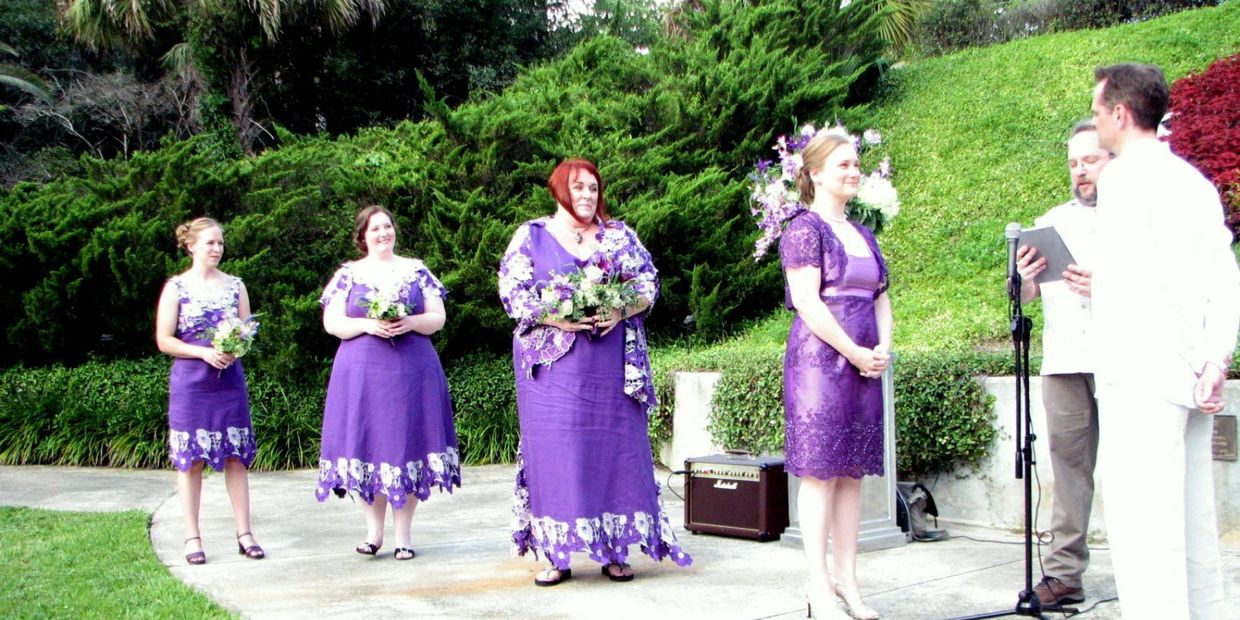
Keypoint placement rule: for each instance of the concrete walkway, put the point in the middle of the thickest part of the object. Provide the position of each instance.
(464, 568)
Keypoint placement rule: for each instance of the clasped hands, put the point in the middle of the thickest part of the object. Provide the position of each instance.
(216, 358)
(603, 325)
(871, 362)
(389, 328)
(1079, 279)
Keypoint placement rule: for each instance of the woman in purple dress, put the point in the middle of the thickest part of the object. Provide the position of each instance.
(387, 423)
(837, 350)
(208, 405)
(586, 473)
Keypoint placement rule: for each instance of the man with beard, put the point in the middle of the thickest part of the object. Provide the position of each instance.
(1067, 370)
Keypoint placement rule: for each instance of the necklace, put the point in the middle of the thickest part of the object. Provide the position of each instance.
(837, 220)
(577, 235)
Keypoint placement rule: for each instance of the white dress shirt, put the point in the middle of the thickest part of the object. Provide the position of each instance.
(1066, 345)
(1166, 289)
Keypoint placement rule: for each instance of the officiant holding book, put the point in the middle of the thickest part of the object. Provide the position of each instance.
(1067, 368)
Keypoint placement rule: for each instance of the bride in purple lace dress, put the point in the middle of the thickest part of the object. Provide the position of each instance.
(586, 473)
(208, 405)
(387, 424)
(838, 347)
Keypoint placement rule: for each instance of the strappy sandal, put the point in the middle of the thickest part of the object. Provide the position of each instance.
(197, 557)
(565, 575)
(368, 548)
(404, 553)
(254, 552)
(614, 577)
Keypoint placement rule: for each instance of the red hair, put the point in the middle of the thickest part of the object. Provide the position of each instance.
(563, 175)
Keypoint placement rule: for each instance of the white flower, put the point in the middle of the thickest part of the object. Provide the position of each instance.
(880, 194)
(870, 137)
(593, 274)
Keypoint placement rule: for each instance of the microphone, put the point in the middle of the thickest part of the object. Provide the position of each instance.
(1012, 234)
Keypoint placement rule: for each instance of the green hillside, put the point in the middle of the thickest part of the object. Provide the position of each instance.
(977, 140)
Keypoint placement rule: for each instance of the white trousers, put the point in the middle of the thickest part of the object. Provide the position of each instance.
(1158, 488)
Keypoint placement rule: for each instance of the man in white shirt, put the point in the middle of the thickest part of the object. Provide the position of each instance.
(1067, 370)
(1166, 307)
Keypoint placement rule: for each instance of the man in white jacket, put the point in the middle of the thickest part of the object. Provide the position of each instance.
(1166, 307)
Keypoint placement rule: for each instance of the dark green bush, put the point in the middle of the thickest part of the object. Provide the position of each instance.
(484, 398)
(944, 418)
(85, 256)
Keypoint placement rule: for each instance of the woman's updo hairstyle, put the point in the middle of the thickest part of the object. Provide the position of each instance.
(362, 222)
(813, 157)
(187, 233)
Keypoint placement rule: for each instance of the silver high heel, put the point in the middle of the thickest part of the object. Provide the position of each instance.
(857, 609)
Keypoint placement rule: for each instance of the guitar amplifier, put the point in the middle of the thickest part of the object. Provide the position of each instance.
(742, 496)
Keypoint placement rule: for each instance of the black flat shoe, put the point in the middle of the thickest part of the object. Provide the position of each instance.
(254, 552)
(368, 548)
(614, 577)
(404, 553)
(197, 557)
(565, 575)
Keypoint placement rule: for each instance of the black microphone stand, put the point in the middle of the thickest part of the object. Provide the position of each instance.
(1027, 603)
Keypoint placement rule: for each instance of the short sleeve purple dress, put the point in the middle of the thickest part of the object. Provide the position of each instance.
(833, 424)
(208, 409)
(387, 422)
(586, 473)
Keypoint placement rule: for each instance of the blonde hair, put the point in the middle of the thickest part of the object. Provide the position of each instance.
(813, 157)
(187, 233)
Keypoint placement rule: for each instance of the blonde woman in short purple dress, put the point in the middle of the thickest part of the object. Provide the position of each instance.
(838, 347)
(208, 405)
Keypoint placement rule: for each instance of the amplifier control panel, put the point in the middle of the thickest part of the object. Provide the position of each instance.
(724, 470)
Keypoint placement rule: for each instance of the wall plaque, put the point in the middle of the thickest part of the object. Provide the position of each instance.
(1224, 440)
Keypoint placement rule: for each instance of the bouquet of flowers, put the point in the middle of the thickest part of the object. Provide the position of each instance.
(234, 336)
(595, 289)
(776, 199)
(385, 307)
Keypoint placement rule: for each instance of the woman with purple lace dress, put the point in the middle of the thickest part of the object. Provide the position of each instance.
(586, 473)
(387, 423)
(837, 350)
(208, 405)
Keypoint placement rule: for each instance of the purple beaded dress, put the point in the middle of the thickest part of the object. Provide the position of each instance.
(833, 424)
(208, 409)
(387, 422)
(586, 473)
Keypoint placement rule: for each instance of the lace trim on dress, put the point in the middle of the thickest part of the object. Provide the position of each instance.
(213, 447)
(439, 469)
(856, 450)
(810, 242)
(605, 537)
(196, 315)
(345, 277)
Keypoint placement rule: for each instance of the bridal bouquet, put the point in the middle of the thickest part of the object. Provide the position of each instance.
(775, 198)
(233, 336)
(385, 307)
(595, 289)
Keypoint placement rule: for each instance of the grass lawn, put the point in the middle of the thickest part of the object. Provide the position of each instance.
(88, 565)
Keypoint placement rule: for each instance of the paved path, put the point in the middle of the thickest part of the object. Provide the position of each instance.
(464, 569)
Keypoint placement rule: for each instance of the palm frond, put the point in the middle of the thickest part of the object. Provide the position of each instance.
(26, 81)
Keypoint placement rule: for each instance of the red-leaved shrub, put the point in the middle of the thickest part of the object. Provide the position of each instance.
(1205, 129)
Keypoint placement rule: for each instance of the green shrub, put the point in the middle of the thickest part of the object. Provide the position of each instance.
(944, 417)
(484, 397)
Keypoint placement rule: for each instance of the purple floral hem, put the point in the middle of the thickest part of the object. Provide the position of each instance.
(606, 538)
(440, 469)
(858, 453)
(212, 447)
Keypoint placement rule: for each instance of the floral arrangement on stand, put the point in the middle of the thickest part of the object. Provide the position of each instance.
(596, 288)
(776, 199)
